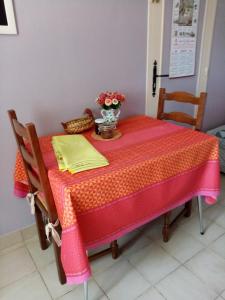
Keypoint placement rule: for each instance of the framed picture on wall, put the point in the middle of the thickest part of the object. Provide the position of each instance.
(7, 18)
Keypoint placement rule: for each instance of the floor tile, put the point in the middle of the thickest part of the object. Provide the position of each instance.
(132, 242)
(221, 219)
(10, 242)
(182, 246)
(122, 281)
(103, 263)
(96, 250)
(219, 246)
(210, 268)
(222, 180)
(221, 198)
(27, 288)
(182, 284)
(214, 212)
(153, 230)
(29, 232)
(145, 261)
(212, 230)
(183, 219)
(94, 292)
(15, 265)
(151, 294)
(41, 257)
(50, 276)
(153, 263)
(223, 295)
(12, 248)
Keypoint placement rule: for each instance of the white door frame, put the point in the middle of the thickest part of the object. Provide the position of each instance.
(156, 11)
(206, 45)
(154, 50)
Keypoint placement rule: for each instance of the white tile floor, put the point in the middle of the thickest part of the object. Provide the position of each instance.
(188, 267)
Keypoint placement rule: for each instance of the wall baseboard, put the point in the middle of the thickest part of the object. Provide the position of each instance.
(18, 238)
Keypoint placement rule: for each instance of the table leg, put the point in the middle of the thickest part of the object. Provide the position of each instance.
(188, 207)
(115, 249)
(166, 227)
(200, 215)
(86, 290)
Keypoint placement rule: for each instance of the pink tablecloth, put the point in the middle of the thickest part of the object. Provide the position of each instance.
(154, 167)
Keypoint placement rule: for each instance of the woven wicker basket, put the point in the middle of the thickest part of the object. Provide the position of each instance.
(80, 124)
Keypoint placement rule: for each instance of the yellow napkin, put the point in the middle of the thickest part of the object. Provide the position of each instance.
(75, 154)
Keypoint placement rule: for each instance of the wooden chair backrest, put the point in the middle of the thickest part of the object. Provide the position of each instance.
(182, 117)
(33, 161)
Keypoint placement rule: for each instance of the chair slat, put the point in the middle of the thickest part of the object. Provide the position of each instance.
(27, 157)
(35, 182)
(180, 117)
(19, 129)
(182, 97)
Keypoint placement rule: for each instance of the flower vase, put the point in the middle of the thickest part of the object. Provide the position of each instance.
(110, 115)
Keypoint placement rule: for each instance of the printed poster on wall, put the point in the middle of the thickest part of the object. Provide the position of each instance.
(183, 39)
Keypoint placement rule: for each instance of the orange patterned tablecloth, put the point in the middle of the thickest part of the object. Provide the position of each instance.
(154, 167)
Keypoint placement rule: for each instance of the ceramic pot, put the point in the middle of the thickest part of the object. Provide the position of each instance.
(110, 115)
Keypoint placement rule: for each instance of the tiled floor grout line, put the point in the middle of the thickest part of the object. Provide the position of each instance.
(9, 250)
(45, 285)
(104, 293)
(38, 271)
(219, 224)
(180, 263)
(222, 294)
(160, 293)
(202, 250)
(220, 297)
(151, 287)
(127, 260)
(27, 275)
(183, 265)
(57, 298)
(207, 246)
(200, 279)
(17, 280)
(146, 278)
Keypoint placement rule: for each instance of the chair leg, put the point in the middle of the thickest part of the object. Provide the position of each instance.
(41, 229)
(166, 227)
(61, 273)
(86, 290)
(200, 215)
(115, 249)
(188, 207)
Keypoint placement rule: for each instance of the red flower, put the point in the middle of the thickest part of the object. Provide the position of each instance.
(110, 99)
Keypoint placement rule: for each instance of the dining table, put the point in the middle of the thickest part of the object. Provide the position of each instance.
(154, 167)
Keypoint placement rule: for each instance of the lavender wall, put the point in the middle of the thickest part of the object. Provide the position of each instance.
(215, 108)
(66, 52)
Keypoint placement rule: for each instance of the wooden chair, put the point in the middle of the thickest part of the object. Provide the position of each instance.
(38, 181)
(181, 117)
